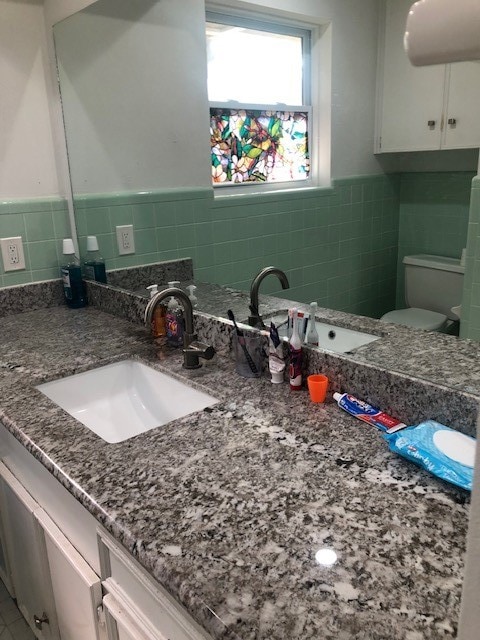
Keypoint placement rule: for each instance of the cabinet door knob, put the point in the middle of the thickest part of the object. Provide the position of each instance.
(39, 621)
(452, 121)
(431, 124)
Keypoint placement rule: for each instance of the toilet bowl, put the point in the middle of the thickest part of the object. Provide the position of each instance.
(433, 285)
(418, 318)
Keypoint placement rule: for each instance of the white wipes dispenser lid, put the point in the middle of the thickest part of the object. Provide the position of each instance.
(456, 446)
(92, 243)
(68, 248)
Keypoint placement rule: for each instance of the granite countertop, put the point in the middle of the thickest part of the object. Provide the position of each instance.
(227, 508)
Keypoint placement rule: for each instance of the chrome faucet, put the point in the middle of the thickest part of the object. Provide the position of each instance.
(192, 348)
(255, 319)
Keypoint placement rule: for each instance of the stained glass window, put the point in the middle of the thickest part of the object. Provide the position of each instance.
(258, 87)
(254, 145)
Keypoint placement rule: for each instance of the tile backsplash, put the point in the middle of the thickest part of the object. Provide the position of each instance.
(42, 223)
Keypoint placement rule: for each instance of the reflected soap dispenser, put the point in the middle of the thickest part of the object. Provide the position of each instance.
(71, 272)
(175, 324)
(159, 319)
(191, 294)
(94, 264)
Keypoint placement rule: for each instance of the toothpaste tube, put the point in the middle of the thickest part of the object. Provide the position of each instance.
(364, 411)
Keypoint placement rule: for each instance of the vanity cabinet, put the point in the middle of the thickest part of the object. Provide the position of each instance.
(422, 108)
(57, 591)
(26, 552)
(57, 551)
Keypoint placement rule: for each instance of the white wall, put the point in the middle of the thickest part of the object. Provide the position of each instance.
(27, 157)
(133, 80)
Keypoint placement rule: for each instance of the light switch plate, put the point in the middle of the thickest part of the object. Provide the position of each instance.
(125, 239)
(12, 253)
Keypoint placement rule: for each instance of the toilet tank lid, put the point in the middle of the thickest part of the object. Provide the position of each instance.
(435, 262)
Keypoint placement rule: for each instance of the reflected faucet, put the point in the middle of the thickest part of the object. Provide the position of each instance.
(255, 319)
(192, 348)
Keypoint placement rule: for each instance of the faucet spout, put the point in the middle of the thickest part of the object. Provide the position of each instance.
(192, 348)
(255, 319)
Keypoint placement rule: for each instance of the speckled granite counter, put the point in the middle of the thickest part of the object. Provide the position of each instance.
(227, 508)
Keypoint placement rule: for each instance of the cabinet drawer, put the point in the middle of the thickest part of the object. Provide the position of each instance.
(128, 582)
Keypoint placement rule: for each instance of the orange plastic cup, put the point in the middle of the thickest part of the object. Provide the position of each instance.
(317, 387)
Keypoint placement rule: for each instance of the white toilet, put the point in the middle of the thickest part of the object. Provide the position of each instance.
(433, 285)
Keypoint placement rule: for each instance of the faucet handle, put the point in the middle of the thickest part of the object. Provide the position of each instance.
(203, 350)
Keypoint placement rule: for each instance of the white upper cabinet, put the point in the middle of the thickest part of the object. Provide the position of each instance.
(462, 112)
(422, 108)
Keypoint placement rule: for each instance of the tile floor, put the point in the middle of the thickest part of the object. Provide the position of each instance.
(12, 624)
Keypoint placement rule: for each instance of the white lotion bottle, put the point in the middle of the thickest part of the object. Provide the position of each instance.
(312, 333)
(295, 345)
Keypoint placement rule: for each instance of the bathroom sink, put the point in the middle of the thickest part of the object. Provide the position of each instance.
(330, 337)
(123, 399)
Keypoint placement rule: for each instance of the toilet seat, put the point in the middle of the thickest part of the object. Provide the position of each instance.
(417, 318)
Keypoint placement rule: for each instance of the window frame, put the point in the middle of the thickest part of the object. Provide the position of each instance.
(271, 24)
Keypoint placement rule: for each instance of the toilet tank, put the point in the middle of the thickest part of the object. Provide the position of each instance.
(434, 283)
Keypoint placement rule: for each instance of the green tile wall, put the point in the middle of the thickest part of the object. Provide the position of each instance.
(470, 324)
(338, 245)
(433, 217)
(42, 223)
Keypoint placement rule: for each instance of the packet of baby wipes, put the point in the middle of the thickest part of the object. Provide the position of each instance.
(446, 453)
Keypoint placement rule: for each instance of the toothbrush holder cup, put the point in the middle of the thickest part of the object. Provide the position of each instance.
(249, 354)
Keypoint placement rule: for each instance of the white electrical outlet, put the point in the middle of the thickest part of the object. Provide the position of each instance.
(125, 241)
(12, 253)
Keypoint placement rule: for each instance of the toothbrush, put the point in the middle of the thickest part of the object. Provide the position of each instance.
(241, 342)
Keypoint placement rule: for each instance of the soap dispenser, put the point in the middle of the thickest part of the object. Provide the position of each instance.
(175, 322)
(94, 264)
(191, 294)
(71, 272)
(159, 321)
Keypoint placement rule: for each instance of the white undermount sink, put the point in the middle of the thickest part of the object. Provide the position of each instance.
(123, 399)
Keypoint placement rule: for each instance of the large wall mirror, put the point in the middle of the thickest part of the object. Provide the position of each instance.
(133, 78)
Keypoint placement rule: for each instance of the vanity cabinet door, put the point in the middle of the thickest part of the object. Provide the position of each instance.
(26, 551)
(77, 589)
(5, 569)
